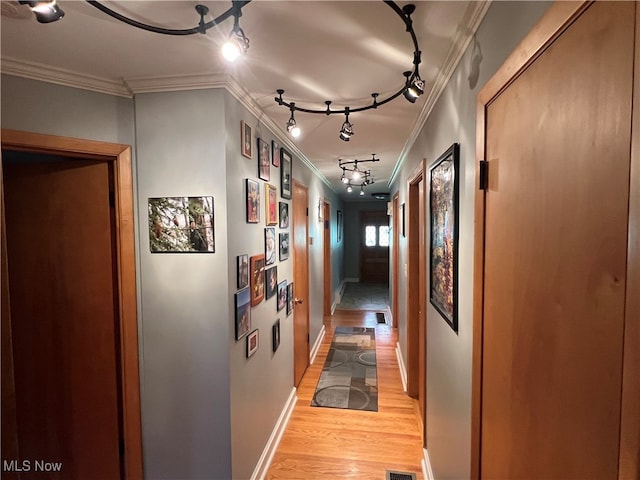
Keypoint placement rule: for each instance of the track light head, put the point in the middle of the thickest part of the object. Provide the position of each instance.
(45, 12)
(362, 191)
(349, 188)
(292, 127)
(237, 44)
(415, 88)
(356, 175)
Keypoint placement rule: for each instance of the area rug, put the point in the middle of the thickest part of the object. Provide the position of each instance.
(349, 377)
(364, 296)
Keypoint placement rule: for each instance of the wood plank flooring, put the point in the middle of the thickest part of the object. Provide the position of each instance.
(332, 443)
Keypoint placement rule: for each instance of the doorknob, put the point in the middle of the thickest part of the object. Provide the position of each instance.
(298, 301)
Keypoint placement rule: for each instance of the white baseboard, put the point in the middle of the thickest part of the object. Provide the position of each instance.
(401, 366)
(337, 297)
(427, 473)
(266, 458)
(316, 346)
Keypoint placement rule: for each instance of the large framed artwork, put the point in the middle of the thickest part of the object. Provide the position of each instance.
(257, 279)
(253, 201)
(443, 248)
(264, 160)
(339, 226)
(285, 173)
(181, 225)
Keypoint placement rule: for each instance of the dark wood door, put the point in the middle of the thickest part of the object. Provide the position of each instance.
(300, 282)
(63, 318)
(374, 247)
(555, 256)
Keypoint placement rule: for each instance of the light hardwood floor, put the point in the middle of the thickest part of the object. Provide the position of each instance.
(332, 443)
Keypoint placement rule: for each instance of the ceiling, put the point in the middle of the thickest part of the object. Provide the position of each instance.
(315, 50)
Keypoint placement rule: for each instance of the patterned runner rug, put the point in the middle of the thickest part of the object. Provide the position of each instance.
(349, 377)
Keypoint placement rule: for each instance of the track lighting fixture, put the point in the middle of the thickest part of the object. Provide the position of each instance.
(353, 176)
(237, 44)
(411, 88)
(292, 127)
(45, 12)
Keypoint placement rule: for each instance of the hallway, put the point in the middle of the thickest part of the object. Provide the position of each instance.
(329, 443)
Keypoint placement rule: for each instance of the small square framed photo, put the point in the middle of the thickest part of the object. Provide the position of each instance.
(271, 275)
(253, 201)
(253, 342)
(271, 195)
(243, 271)
(284, 214)
(275, 335)
(282, 295)
(264, 160)
(275, 153)
(284, 246)
(290, 299)
(246, 139)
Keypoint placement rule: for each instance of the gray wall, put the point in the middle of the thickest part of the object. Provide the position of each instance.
(184, 298)
(449, 356)
(352, 233)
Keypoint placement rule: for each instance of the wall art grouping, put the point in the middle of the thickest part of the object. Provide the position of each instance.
(181, 225)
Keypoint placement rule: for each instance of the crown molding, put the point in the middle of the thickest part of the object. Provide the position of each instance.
(128, 87)
(61, 76)
(469, 25)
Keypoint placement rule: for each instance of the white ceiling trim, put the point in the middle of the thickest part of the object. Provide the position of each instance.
(472, 19)
(60, 76)
(131, 86)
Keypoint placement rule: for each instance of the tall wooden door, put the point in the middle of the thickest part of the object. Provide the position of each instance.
(374, 247)
(416, 308)
(300, 282)
(558, 147)
(60, 247)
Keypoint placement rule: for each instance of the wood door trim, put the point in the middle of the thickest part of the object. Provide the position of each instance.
(412, 307)
(305, 304)
(396, 268)
(630, 415)
(328, 293)
(120, 155)
(555, 21)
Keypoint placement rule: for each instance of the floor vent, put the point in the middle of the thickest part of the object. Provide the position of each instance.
(380, 318)
(391, 475)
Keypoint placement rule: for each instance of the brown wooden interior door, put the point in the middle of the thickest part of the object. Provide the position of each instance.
(416, 314)
(555, 251)
(374, 258)
(63, 316)
(301, 282)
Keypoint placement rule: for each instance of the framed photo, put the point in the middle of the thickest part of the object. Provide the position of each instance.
(243, 313)
(275, 335)
(246, 139)
(339, 226)
(282, 295)
(271, 277)
(275, 153)
(243, 271)
(264, 160)
(181, 225)
(270, 245)
(285, 173)
(257, 279)
(253, 342)
(284, 214)
(253, 201)
(284, 246)
(271, 194)
(290, 299)
(443, 248)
